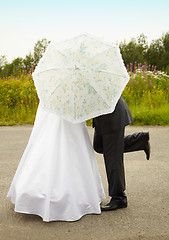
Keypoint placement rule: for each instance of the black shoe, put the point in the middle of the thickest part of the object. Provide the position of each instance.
(115, 204)
(147, 150)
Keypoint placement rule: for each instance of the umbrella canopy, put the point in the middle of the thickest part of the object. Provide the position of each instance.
(80, 78)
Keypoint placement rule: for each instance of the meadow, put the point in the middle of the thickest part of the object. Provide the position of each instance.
(18, 100)
(147, 95)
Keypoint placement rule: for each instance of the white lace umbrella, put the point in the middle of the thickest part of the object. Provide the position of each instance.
(80, 78)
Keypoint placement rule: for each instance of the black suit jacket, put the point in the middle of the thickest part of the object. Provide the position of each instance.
(114, 121)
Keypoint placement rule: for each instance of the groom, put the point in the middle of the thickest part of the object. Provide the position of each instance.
(110, 141)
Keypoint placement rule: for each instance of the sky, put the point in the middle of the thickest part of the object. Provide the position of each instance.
(23, 22)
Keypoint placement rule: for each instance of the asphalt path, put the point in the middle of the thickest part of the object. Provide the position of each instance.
(145, 218)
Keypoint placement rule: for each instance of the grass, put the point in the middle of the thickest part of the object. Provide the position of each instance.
(17, 116)
(144, 115)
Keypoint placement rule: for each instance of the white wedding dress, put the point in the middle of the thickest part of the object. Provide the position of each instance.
(58, 177)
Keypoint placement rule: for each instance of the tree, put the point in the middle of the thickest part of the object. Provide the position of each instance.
(128, 51)
(13, 68)
(7, 70)
(39, 50)
(3, 62)
(28, 62)
(135, 50)
(155, 53)
(18, 65)
(142, 47)
(165, 39)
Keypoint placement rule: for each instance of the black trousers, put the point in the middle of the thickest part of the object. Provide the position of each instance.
(113, 146)
(133, 142)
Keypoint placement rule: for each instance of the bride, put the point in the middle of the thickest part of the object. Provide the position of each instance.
(57, 177)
